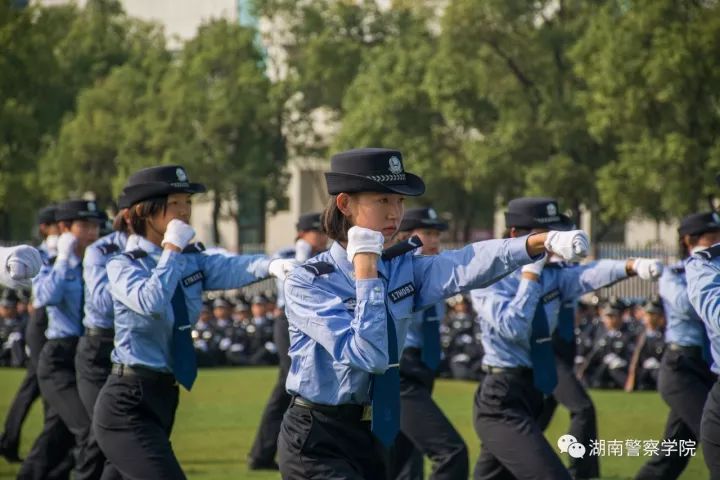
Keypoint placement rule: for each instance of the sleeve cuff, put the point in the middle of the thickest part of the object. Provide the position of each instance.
(517, 249)
(371, 290)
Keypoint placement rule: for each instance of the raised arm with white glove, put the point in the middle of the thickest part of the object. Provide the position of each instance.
(647, 268)
(571, 246)
(178, 233)
(18, 265)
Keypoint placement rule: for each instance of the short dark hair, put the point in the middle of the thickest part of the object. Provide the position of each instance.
(334, 222)
(119, 223)
(141, 211)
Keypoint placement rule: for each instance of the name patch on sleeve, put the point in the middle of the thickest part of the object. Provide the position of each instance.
(193, 278)
(402, 292)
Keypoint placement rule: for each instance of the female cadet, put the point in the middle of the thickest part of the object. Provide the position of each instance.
(157, 287)
(518, 315)
(685, 377)
(59, 288)
(424, 429)
(349, 309)
(92, 360)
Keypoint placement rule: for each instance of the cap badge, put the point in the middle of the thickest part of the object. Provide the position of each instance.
(395, 165)
(551, 209)
(432, 214)
(181, 175)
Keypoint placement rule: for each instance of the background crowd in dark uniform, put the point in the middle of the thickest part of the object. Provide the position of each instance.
(619, 342)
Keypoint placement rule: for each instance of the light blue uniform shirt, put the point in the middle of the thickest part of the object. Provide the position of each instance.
(684, 325)
(59, 287)
(703, 288)
(506, 309)
(142, 290)
(415, 337)
(98, 301)
(338, 326)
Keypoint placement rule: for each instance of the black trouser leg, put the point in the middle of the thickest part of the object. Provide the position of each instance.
(422, 421)
(505, 413)
(710, 432)
(18, 411)
(93, 366)
(583, 422)
(132, 422)
(58, 384)
(51, 453)
(684, 384)
(406, 461)
(262, 453)
(313, 445)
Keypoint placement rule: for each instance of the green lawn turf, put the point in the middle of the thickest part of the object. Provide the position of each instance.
(216, 423)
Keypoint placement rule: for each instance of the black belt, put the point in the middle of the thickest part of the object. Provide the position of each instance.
(348, 411)
(141, 372)
(99, 332)
(525, 371)
(693, 351)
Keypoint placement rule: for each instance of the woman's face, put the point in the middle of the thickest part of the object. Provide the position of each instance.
(179, 205)
(381, 212)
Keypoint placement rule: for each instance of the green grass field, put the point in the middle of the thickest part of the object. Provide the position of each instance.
(216, 423)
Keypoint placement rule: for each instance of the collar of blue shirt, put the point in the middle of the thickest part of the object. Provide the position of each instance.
(137, 242)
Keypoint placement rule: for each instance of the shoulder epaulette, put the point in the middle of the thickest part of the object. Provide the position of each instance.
(196, 247)
(135, 254)
(319, 268)
(709, 253)
(677, 270)
(402, 248)
(51, 260)
(108, 248)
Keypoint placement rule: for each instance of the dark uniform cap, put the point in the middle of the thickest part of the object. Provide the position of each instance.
(8, 298)
(653, 305)
(309, 221)
(221, 302)
(536, 212)
(699, 223)
(158, 182)
(424, 217)
(613, 306)
(371, 170)
(241, 306)
(47, 214)
(123, 201)
(259, 299)
(78, 210)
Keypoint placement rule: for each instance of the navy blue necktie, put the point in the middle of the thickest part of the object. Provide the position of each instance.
(566, 321)
(183, 351)
(541, 352)
(430, 354)
(386, 392)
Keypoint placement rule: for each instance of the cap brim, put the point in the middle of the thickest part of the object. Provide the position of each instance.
(564, 225)
(137, 193)
(406, 226)
(349, 183)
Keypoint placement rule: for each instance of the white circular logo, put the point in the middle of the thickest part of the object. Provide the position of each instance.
(716, 217)
(432, 214)
(395, 165)
(91, 206)
(181, 175)
(551, 209)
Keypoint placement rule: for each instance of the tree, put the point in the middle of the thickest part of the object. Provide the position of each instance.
(652, 75)
(220, 118)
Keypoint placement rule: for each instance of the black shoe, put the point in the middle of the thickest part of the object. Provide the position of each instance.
(263, 465)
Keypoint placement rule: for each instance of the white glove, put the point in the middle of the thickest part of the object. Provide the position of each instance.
(281, 267)
(51, 243)
(178, 233)
(66, 245)
(571, 246)
(303, 250)
(20, 264)
(647, 268)
(364, 240)
(535, 267)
